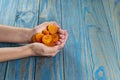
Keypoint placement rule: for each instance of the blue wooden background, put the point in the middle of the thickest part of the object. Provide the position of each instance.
(92, 51)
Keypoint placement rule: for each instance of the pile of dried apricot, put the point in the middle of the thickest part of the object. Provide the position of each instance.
(48, 36)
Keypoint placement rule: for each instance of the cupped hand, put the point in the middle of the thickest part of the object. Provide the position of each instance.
(40, 49)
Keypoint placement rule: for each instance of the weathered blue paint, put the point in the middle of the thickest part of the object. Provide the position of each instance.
(92, 49)
(116, 2)
(3, 67)
(6, 19)
(100, 73)
(50, 68)
(72, 21)
(19, 13)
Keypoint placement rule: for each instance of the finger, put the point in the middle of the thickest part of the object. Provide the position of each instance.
(58, 47)
(58, 43)
(61, 31)
(62, 37)
(61, 40)
(66, 36)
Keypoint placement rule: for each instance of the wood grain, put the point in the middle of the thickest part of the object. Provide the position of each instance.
(99, 41)
(50, 68)
(72, 21)
(92, 49)
(6, 10)
(90, 45)
(24, 15)
(3, 67)
(113, 17)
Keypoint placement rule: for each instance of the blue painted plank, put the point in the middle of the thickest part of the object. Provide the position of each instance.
(92, 49)
(3, 67)
(113, 17)
(90, 44)
(50, 68)
(74, 49)
(25, 14)
(6, 10)
(99, 42)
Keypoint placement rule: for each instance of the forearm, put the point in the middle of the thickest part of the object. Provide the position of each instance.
(14, 53)
(15, 35)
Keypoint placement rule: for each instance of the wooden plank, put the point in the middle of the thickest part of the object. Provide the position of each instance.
(99, 42)
(3, 67)
(50, 68)
(6, 19)
(113, 17)
(90, 45)
(26, 15)
(74, 62)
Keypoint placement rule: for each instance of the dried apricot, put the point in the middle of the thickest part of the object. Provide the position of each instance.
(46, 39)
(33, 38)
(52, 44)
(48, 36)
(38, 37)
(52, 29)
(55, 37)
(45, 32)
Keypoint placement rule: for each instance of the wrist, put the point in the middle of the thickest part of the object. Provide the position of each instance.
(28, 35)
(31, 50)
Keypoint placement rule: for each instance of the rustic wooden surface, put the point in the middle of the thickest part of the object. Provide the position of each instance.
(92, 51)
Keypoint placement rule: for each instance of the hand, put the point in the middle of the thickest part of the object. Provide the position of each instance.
(39, 49)
(43, 26)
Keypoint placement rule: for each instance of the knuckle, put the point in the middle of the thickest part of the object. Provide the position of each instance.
(53, 55)
(46, 22)
(53, 22)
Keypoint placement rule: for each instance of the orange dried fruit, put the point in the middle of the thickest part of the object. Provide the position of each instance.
(52, 44)
(52, 29)
(46, 39)
(55, 37)
(38, 37)
(33, 38)
(45, 32)
(48, 36)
